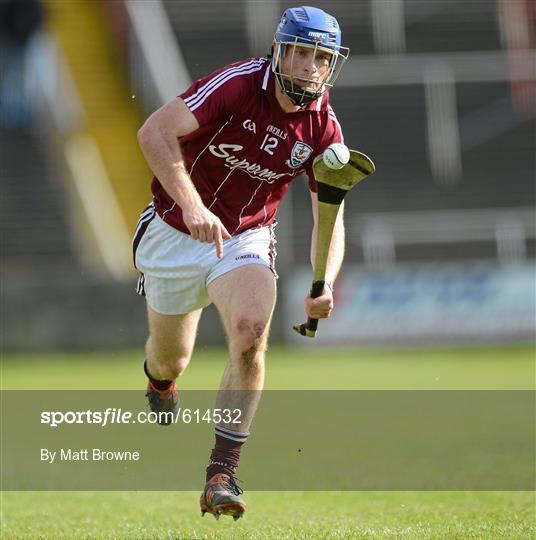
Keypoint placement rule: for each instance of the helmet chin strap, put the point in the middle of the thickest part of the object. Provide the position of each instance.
(298, 95)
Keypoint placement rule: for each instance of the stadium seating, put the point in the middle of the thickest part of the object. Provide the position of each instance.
(34, 204)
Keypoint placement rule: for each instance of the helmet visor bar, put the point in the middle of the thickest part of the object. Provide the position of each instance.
(289, 45)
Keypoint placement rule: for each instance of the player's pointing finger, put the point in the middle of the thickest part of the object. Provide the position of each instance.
(218, 240)
(220, 234)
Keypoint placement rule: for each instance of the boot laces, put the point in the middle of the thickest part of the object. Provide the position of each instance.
(233, 486)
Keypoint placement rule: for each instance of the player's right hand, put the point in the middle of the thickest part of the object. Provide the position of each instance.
(206, 227)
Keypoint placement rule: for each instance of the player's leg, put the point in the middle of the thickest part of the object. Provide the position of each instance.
(171, 343)
(245, 299)
(167, 354)
(173, 283)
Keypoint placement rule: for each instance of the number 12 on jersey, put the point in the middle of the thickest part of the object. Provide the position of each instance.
(269, 143)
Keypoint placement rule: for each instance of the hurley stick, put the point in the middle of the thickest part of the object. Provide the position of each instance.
(333, 185)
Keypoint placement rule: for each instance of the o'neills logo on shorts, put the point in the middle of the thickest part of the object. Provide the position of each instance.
(247, 256)
(253, 169)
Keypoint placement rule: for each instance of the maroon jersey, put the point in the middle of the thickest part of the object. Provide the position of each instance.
(247, 150)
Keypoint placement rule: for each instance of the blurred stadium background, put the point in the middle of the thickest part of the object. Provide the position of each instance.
(440, 242)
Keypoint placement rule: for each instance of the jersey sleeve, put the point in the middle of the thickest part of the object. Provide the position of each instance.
(332, 134)
(220, 93)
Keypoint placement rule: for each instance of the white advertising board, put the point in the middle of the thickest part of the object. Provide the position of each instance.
(426, 302)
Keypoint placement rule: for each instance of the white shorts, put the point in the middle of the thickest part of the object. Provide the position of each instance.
(175, 270)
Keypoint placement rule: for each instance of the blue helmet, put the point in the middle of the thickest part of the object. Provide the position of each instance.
(313, 28)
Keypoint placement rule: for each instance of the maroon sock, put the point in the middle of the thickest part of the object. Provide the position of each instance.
(226, 453)
(159, 385)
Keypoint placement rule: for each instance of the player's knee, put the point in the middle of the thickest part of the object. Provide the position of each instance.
(181, 363)
(170, 366)
(175, 367)
(249, 333)
(249, 341)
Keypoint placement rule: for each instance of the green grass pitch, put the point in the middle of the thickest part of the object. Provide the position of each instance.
(278, 515)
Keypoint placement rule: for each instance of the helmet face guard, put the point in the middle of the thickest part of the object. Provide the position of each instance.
(314, 29)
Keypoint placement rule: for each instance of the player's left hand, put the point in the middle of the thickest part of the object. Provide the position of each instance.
(320, 307)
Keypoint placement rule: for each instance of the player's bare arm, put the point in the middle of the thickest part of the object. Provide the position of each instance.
(158, 139)
(321, 307)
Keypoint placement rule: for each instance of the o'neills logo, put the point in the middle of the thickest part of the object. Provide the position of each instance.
(253, 169)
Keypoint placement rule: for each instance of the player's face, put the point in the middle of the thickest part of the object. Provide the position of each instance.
(307, 66)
